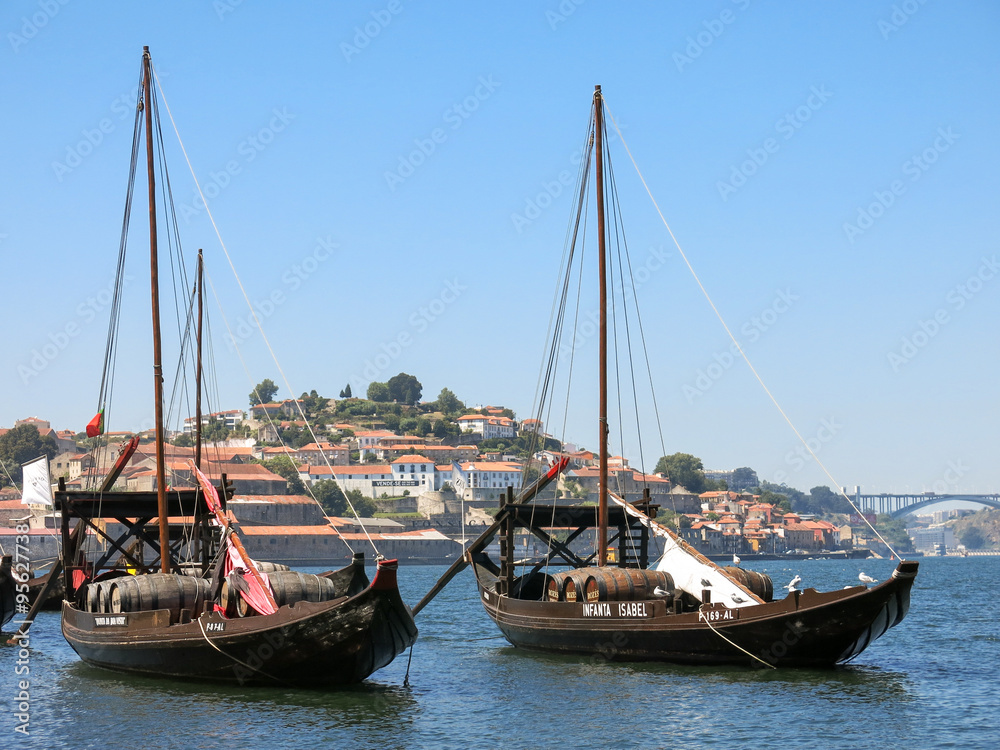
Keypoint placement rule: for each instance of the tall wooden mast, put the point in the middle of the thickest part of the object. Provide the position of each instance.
(602, 513)
(161, 479)
(197, 374)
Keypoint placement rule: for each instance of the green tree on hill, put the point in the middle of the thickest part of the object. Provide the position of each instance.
(21, 444)
(404, 388)
(378, 392)
(448, 403)
(683, 469)
(263, 392)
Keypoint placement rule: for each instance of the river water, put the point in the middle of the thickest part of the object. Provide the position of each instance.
(929, 682)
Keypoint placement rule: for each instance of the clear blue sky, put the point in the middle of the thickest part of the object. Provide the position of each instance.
(876, 327)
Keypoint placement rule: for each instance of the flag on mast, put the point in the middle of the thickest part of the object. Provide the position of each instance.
(95, 426)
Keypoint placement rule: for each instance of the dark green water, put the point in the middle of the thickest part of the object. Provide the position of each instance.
(931, 682)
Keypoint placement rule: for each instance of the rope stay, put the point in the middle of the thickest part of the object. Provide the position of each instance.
(736, 343)
(253, 311)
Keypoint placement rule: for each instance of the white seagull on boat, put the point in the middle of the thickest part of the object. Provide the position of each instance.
(736, 560)
(793, 583)
(866, 578)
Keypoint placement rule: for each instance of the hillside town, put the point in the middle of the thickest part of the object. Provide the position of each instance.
(415, 481)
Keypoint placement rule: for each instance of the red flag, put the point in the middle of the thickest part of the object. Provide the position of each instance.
(96, 425)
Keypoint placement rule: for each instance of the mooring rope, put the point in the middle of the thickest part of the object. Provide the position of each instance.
(736, 645)
(736, 343)
(242, 663)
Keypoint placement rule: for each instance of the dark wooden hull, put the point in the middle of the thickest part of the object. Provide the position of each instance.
(55, 594)
(8, 591)
(307, 644)
(806, 629)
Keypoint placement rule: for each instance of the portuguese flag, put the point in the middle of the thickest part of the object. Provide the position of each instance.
(96, 425)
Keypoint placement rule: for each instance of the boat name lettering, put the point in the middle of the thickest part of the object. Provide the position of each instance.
(105, 622)
(624, 609)
(216, 627)
(632, 609)
(714, 615)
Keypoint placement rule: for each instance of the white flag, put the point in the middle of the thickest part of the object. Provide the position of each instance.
(37, 482)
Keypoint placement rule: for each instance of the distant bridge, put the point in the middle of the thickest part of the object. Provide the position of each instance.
(900, 505)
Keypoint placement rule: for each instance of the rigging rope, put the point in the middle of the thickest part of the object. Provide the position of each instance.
(253, 311)
(736, 343)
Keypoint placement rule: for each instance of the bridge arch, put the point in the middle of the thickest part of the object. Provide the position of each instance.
(988, 501)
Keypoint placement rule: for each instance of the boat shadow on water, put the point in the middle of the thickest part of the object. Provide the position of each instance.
(864, 682)
(367, 702)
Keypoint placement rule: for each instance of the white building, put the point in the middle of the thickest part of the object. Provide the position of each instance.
(484, 480)
(229, 418)
(489, 427)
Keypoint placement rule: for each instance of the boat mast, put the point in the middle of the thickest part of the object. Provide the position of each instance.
(197, 374)
(602, 507)
(161, 480)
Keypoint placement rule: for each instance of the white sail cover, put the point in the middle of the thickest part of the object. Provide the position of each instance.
(37, 482)
(690, 574)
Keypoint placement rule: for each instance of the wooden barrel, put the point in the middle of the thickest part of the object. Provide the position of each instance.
(233, 604)
(152, 591)
(561, 587)
(758, 583)
(552, 589)
(629, 584)
(291, 586)
(104, 596)
(271, 567)
(92, 597)
(584, 584)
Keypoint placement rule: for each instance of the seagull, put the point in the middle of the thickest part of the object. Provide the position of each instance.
(866, 579)
(738, 599)
(793, 583)
(736, 560)
(706, 583)
(660, 591)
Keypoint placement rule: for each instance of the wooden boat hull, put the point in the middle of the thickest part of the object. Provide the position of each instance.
(54, 596)
(806, 629)
(307, 644)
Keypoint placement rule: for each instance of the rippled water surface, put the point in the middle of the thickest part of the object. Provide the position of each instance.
(930, 682)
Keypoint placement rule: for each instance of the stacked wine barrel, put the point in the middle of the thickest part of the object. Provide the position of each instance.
(153, 591)
(609, 585)
(289, 587)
